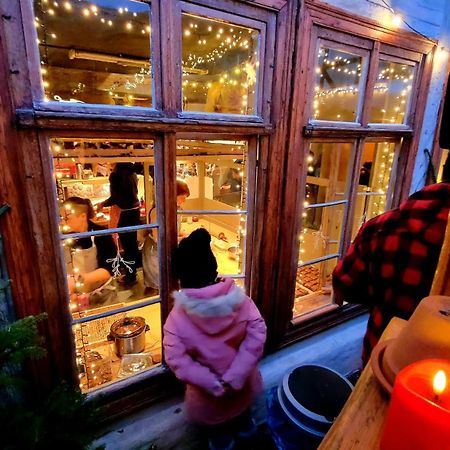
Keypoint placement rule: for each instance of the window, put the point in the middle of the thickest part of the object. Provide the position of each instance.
(95, 52)
(105, 187)
(338, 89)
(217, 174)
(113, 182)
(356, 86)
(220, 66)
(223, 59)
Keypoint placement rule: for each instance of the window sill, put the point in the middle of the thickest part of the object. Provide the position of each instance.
(356, 131)
(320, 320)
(122, 121)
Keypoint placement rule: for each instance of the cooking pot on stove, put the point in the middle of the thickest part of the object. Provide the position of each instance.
(128, 335)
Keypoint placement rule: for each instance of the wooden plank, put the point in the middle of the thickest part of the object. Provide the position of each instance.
(278, 236)
(417, 110)
(14, 51)
(170, 26)
(31, 243)
(359, 425)
(333, 133)
(370, 84)
(441, 281)
(245, 9)
(79, 122)
(273, 4)
(165, 175)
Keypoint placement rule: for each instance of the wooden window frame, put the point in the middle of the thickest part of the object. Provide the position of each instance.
(320, 20)
(39, 105)
(264, 71)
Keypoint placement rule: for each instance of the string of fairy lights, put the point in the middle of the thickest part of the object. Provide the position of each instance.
(348, 81)
(231, 63)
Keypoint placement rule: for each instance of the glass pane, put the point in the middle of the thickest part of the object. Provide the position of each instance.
(95, 52)
(220, 66)
(313, 287)
(215, 172)
(227, 238)
(321, 232)
(99, 361)
(392, 92)
(327, 170)
(337, 85)
(375, 175)
(107, 184)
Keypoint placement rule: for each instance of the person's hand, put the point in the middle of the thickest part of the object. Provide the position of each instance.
(99, 207)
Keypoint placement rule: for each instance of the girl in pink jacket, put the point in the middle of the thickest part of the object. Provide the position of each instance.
(213, 339)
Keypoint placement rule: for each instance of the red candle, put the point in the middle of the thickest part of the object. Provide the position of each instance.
(418, 417)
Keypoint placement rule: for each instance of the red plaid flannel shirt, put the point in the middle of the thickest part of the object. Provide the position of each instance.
(391, 264)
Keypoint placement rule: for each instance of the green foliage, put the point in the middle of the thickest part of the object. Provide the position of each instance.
(63, 420)
(18, 342)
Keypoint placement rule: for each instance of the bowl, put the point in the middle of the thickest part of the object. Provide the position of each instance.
(425, 336)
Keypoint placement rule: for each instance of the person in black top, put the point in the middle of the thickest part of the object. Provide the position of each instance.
(125, 212)
(89, 260)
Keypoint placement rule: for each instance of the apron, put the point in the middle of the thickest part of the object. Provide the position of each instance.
(85, 259)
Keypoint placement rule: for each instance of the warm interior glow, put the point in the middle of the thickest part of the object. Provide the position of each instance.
(439, 382)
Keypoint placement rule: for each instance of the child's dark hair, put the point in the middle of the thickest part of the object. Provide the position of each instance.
(81, 205)
(194, 263)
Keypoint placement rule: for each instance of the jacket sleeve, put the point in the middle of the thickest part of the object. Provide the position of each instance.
(184, 367)
(250, 350)
(351, 275)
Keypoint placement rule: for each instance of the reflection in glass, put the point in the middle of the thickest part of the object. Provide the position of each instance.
(216, 173)
(95, 52)
(374, 179)
(337, 85)
(313, 287)
(97, 359)
(392, 93)
(99, 267)
(220, 66)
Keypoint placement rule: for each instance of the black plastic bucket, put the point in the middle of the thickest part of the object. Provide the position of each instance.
(311, 397)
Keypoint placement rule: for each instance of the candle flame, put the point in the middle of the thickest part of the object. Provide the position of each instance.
(439, 382)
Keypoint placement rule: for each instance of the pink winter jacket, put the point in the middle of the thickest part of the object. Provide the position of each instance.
(215, 333)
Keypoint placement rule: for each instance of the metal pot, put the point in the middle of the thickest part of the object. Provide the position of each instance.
(128, 335)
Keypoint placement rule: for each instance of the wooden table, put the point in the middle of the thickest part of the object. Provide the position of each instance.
(360, 422)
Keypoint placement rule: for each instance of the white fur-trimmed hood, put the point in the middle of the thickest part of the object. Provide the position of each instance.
(220, 306)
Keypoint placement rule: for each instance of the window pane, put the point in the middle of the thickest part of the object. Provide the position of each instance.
(321, 232)
(337, 85)
(322, 222)
(220, 66)
(95, 52)
(313, 287)
(227, 238)
(215, 172)
(97, 357)
(107, 269)
(392, 92)
(375, 175)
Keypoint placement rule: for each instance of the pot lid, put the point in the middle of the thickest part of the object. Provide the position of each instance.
(128, 327)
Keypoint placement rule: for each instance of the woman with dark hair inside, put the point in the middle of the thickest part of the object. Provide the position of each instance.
(88, 260)
(125, 212)
(150, 263)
